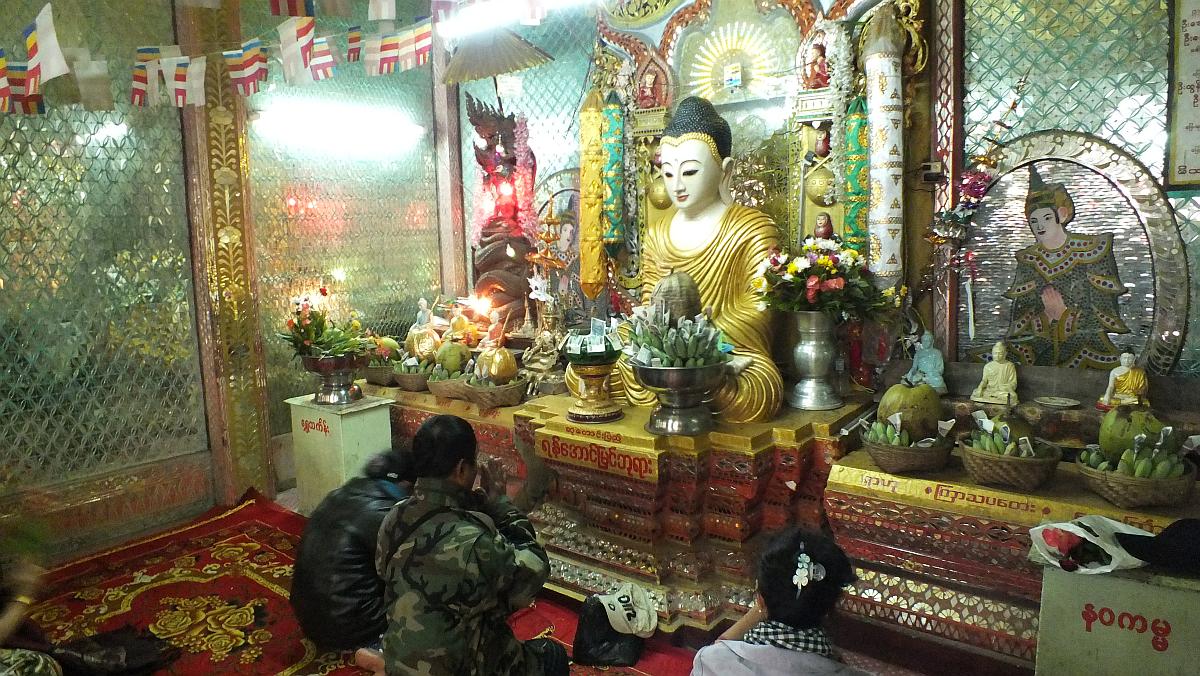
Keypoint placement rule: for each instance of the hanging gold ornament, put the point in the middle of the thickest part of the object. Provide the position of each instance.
(658, 195)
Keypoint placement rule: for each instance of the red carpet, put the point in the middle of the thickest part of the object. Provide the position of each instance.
(218, 590)
(549, 619)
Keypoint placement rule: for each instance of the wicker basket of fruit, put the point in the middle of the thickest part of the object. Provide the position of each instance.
(1020, 463)
(486, 395)
(1142, 476)
(379, 374)
(895, 452)
(412, 375)
(450, 386)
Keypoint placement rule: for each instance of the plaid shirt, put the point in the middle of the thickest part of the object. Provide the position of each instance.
(786, 636)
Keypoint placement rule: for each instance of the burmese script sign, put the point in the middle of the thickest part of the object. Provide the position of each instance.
(599, 450)
(1182, 169)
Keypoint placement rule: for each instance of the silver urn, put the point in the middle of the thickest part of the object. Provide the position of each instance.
(683, 396)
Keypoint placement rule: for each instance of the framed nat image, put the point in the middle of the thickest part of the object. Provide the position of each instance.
(1182, 168)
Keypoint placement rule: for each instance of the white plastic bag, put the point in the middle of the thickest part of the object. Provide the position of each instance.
(1104, 536)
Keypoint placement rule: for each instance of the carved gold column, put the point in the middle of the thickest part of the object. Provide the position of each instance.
(226, 288)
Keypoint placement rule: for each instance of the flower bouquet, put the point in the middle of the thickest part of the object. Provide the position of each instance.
(332, 352)
(823, 276)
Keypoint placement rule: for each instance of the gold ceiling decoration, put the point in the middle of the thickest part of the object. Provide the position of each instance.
(738, 43)
(638, 13)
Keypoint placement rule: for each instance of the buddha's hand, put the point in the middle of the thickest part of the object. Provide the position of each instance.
(1053, 301)
(737, 364)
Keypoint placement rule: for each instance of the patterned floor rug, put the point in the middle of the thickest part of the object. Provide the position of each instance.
(216, 588)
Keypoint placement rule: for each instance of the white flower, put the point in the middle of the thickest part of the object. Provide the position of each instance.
(803, 263)
(761, 305)
(787, 277)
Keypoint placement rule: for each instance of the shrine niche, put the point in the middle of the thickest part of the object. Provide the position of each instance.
(1122, 286)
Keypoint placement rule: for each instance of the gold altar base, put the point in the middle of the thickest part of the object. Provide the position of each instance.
(684, 516)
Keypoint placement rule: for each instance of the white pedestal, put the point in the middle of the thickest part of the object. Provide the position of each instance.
(331, 444)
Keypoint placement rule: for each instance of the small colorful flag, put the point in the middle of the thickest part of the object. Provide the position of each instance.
(20, 100)
(408, 49)
(373, 52)
(141, 79)
(423, 40)
(245, 70)
(46, 60)
(152, 56)
(381, 10)
(293, 8)
(5, 89)
(389, 54)
(336, 8)
(256, 52)
(533, 13)
(354, 44)
(295, 49)
(322, 60)
(186, 75)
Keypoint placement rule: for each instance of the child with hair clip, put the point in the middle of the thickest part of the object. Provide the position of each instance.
(801, 575)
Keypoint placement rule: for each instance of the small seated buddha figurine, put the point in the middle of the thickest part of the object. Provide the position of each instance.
(999, 384)
(719, 245)
(928, 365)
(424, 316)
(1127, 385)
(495, 332)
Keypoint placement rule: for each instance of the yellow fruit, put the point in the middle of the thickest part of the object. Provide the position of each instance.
(498, 365)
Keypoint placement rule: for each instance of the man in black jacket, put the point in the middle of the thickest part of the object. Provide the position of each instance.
(336, 593)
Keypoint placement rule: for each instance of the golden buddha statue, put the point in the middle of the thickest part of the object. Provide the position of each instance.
(1127, 385)
(720, 245)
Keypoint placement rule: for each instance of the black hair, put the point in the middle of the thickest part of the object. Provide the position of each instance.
(777, 567)
(394, 465)
(439, 445)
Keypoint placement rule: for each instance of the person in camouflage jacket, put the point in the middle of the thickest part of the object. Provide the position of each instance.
(456, 562)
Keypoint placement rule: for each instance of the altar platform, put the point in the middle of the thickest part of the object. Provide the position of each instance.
(942, 555)
(682, 516)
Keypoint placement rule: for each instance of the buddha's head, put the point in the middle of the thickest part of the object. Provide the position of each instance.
(1127, 359)
(927, 340)
(423, 305)
(999, 353)
(1049, 208)
(694, 156)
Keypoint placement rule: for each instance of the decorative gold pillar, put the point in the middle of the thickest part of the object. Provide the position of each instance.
(226, 286)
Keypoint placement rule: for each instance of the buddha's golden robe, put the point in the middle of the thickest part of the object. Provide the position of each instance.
(1132, 386)
(722, 270)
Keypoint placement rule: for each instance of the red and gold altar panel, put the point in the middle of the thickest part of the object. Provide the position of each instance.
(922, 542)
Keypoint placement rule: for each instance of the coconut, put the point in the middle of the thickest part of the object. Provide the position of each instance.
(498, 365)
(919, 408)
(678, 294)
(1121, 425)
(452, 356)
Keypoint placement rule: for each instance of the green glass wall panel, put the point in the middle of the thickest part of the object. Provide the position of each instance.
(98, 352)
(342, 192)
(1094, 66)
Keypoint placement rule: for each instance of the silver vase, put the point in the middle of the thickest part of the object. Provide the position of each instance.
(336, 376)
(812, 358)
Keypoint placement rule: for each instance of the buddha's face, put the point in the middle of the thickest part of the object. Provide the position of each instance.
(1127, 360)
(1046, 224)
(422, 305)
(693, 176)
(999, 352)
(927, 340)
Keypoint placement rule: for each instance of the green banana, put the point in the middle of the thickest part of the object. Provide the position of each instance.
(1084, 456)
(1103, 466)
(1143, 468)
(1098, 459)
(905, 440)
(1125, 468)
(1163, 469)
(1177, 470)
(1129, 457)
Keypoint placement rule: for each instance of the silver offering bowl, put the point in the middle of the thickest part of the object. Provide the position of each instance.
(683, 396)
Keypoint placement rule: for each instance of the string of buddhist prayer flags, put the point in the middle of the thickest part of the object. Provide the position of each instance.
(305, 57)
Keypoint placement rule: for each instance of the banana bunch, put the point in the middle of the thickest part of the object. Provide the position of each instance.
(1162, 461)
(409, 366)
(439, 373)
(879, 433)
(683, 343)
(994, 442)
